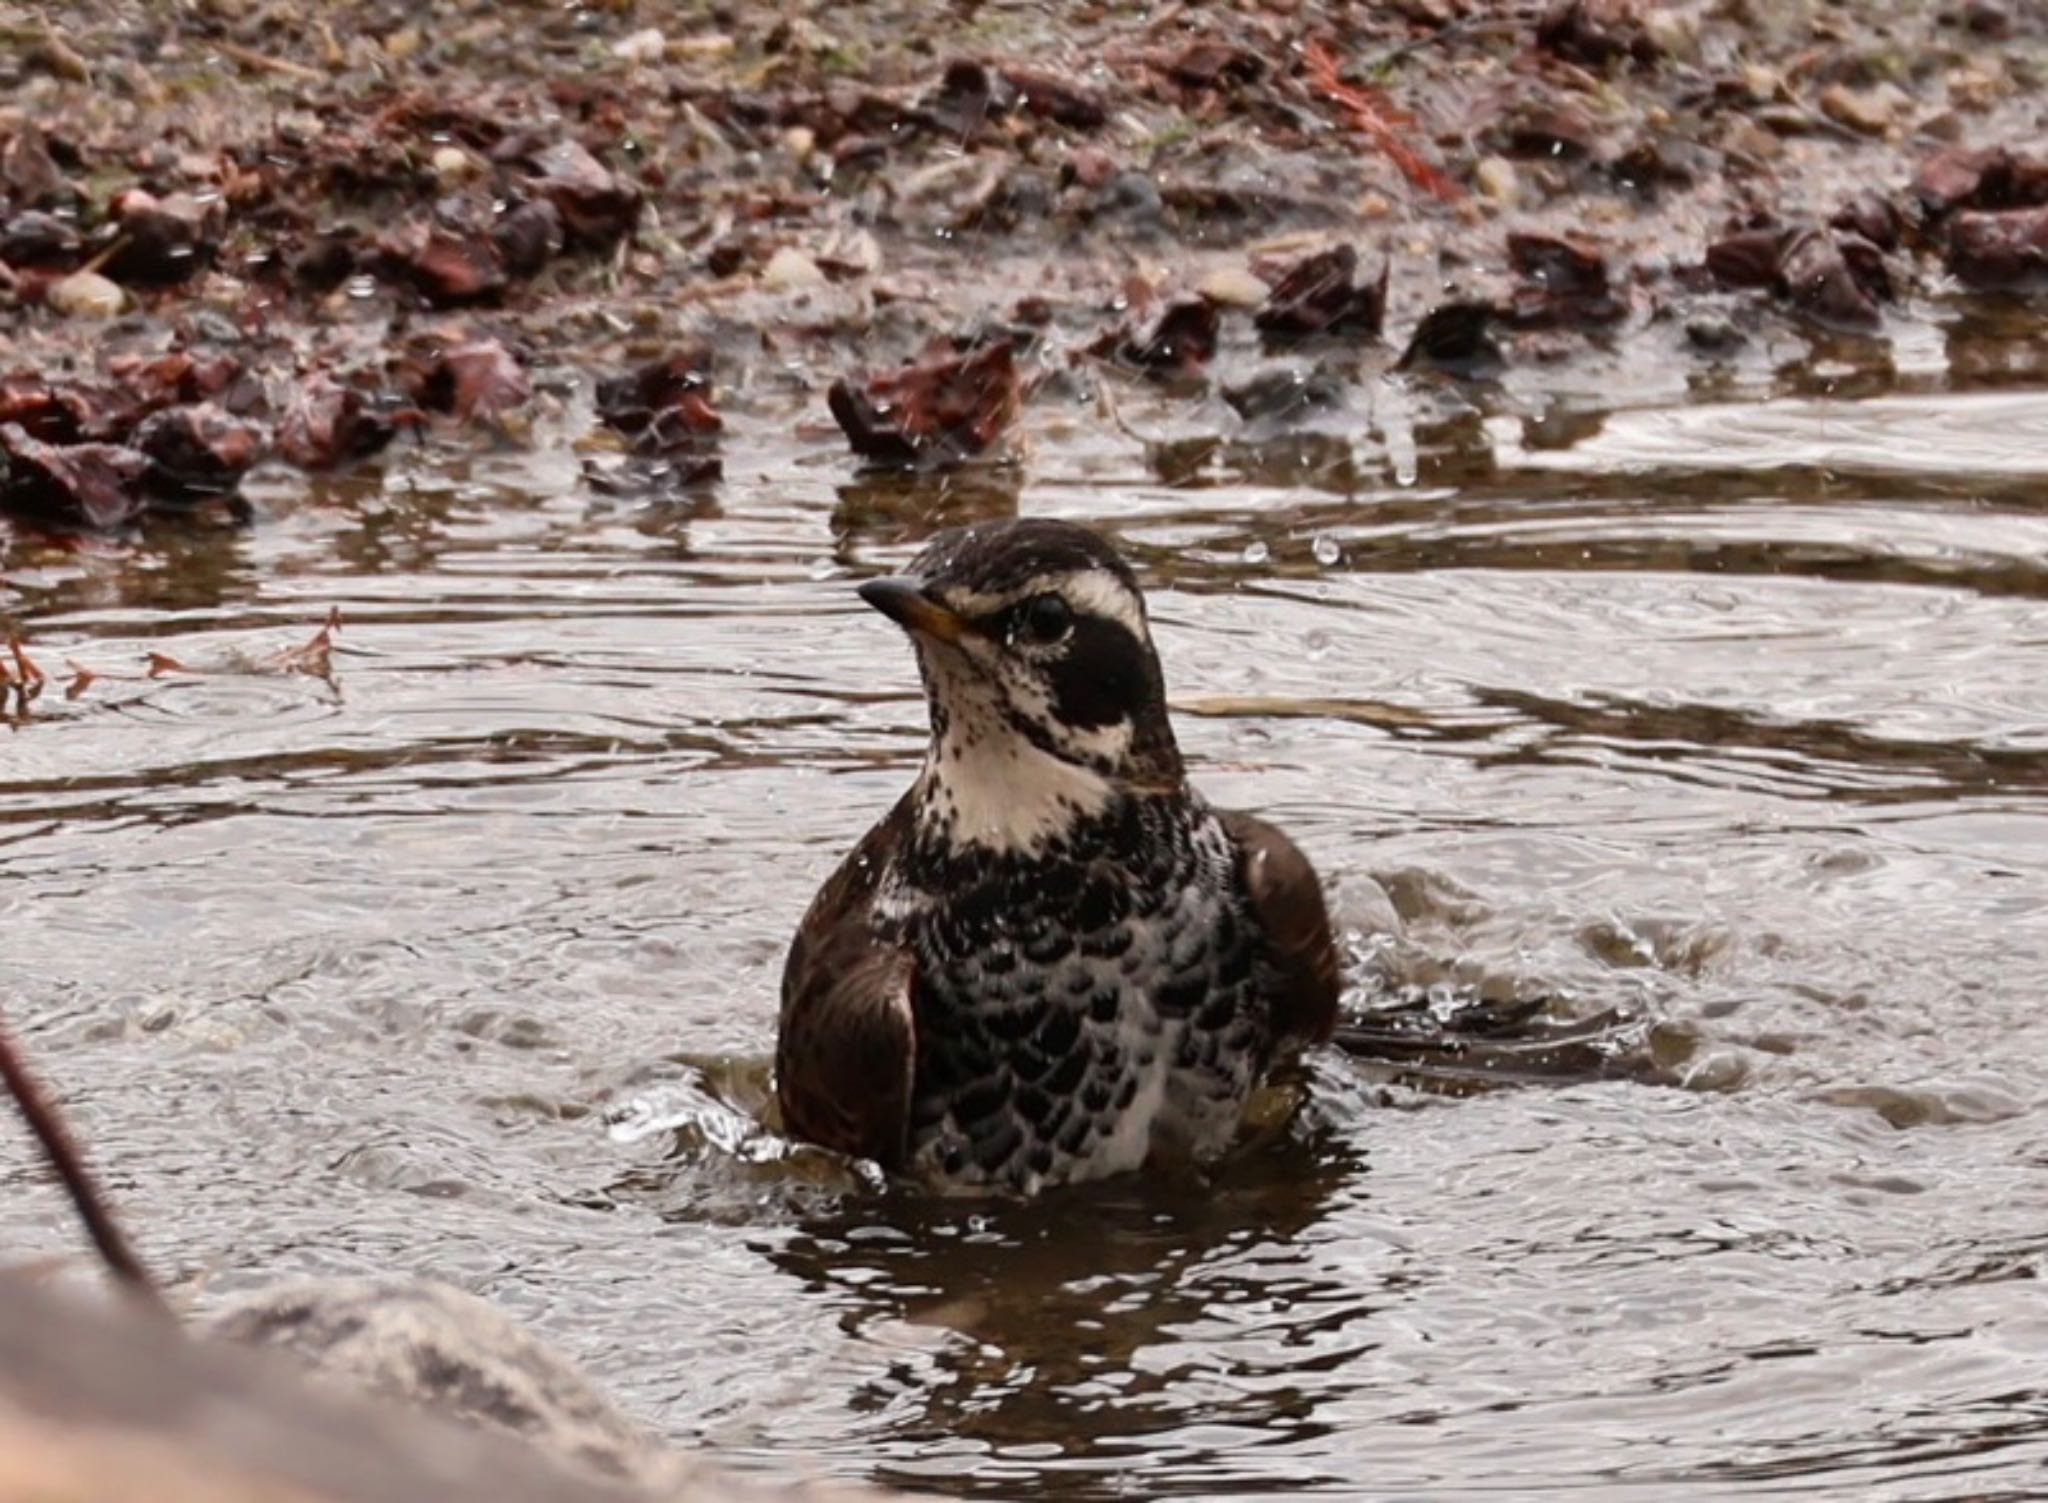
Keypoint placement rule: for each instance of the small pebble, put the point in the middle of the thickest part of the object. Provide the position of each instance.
(1496, 179)
(87, 294)
(1712, 333)
(1869, 112)
(645, 46)
(790, 268)
(1673, 31)
(452, 164)
(1327, 551)
(1233, 287)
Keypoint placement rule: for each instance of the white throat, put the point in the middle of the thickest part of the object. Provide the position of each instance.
(995, 789)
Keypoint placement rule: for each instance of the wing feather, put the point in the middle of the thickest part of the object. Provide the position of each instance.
(846, 1049)
(1287, 901)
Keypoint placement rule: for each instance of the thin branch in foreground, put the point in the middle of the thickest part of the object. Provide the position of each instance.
(61, 1150)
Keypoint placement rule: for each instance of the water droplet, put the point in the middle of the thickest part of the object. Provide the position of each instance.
(1316, 645)
(1257, 553)
(1327, 552)
(362, 287)
(822, 567)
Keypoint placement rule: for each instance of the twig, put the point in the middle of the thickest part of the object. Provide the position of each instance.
(311, 657)
(63, 1156)
(1107, 399)
(1368, 110)
(249, 57)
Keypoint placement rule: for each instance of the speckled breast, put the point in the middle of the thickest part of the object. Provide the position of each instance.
(1079, 1009)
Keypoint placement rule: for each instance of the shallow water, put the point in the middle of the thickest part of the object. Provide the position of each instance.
(1722, 717)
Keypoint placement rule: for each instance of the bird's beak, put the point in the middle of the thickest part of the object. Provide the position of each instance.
(903, 600)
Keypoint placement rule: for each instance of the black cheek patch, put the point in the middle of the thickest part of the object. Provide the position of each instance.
(1103, 676)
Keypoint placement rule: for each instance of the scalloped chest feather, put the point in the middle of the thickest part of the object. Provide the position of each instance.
(1079, 1008)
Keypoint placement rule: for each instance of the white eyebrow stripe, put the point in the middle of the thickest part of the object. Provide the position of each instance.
(1091, 592)
(1100, 593)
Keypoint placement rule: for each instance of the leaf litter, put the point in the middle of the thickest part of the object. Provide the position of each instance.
(242, 233)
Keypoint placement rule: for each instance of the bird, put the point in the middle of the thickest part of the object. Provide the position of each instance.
(1052, 961)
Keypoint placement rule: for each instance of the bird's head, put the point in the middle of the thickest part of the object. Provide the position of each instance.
(1037, 659)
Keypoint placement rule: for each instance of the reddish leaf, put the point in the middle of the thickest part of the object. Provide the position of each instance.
(1455, 337)
(1053, 98)
(1747, 258)
(197, 451)
(1181, 342)
(446, 267)
(597, 208)
(1986, 178)
(940, 411)
(97, 485)
(1319, 295)
(1568, 283)
(156, 381)
(161, 242)
(55, 416)
(664, 406)
(449, 370)
(328, 425)
(2000, 251)
(1815, 271)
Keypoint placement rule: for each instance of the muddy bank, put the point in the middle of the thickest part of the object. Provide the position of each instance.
(248, 233)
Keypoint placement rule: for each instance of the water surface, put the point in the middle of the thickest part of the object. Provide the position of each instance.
(1722, 713)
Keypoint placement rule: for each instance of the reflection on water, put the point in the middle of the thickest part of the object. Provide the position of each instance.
(1704, 749)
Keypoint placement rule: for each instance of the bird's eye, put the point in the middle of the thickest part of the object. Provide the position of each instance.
(1044, 618)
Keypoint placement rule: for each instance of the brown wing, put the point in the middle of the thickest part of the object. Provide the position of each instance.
(847, 1045)
(1287, 900)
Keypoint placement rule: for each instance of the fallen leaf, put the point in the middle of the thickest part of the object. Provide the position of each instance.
(1180, 343)
(94, 485)
(447, 268)
(197, 452)
(1319, 295)
(1567, 283)
(469, 376)
(664, 406)
(1455, 337)
(328, 424)
(314, 656)
(1999, 251)
(939, 411)
(162, 242)
(1595, 33)
(597, 207)
(528, 236)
